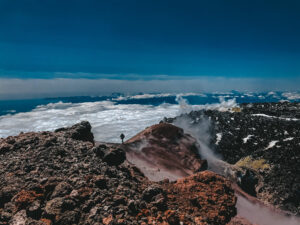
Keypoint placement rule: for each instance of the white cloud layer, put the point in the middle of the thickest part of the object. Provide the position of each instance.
(108, 119)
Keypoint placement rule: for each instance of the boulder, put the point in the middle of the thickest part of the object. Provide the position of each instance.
(20, 218)
(150, 192)
(165, 151)
(53, 208)
(80, 131)
(114, 157)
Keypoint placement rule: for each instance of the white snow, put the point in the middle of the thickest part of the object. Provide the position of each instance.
(288, 139)
(247, 138)
(271, 144)
(276, 117)
(107, 118)
(219, 138)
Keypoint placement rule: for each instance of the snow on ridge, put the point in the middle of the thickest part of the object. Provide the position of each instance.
(219, 138)
(275, 117)
(271, 144)
(247, 138)
(288, 139)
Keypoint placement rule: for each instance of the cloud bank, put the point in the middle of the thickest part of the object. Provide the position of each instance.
(37, 88)
(107, 118)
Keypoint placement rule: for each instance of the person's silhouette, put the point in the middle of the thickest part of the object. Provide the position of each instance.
(122, 136)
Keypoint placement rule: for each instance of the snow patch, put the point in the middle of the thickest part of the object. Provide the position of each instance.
(288, 139)
(219, 138)
(247, 138)
(271, 145)
(275, 117)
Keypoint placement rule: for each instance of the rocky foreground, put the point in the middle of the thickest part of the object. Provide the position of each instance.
(62, 177)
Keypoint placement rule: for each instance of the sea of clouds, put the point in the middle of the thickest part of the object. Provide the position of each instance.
(110, 118)
(107, 118)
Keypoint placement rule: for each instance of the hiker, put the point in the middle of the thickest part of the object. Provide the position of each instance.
(122, 136)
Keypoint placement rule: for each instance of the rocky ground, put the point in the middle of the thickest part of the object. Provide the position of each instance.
(263, 140)
(62, 177)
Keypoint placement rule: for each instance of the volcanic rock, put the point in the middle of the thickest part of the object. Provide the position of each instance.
(115, 157)
(150, 192)
(152, 149)
(205, 195)
(60, 178)
(263, 139)
(80, 131)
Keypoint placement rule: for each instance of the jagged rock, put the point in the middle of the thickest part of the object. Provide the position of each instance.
(25, 198)
(80, 131)
(172, 217)
(132, 207)
(69, 217)
(100, 181)
(204, 195)
(100, 150)
(62, 189)
(160, 202)
(34, 210)
(5, 147)
(248, 182)
(150, 192)
(152, 149)
(6, 194)
(53, 207)
(114, 157)
(19, 218)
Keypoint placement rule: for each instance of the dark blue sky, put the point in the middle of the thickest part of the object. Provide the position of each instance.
(79, 39)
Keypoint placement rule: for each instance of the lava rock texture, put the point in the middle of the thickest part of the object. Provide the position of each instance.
(263, 140)
(62, 177)
(165, 151)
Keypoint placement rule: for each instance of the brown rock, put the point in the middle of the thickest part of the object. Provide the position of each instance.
(172, 217)
(204, 194)
(152, 149)
(24, 198)
(107, 220)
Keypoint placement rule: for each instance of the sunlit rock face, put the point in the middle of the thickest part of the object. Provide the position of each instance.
(165, 151)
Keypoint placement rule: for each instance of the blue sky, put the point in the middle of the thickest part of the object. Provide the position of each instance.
(157, 39)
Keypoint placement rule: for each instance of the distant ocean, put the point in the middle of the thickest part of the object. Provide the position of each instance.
(118, 113)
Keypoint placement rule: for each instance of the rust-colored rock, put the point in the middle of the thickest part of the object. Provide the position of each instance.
(205, 196)
(24, 198)
(172, 217)
(107, 220)
(46, 221)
